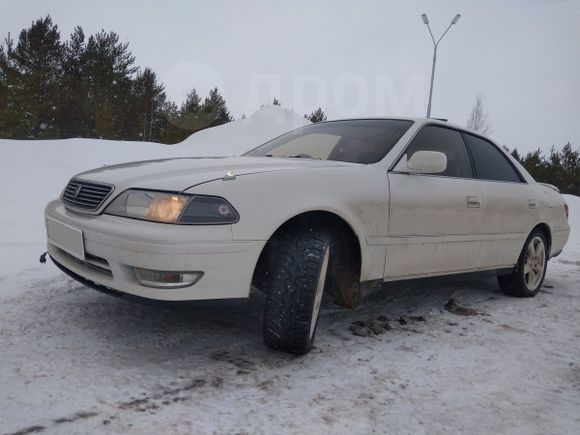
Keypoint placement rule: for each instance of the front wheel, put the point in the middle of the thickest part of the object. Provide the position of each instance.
(528, 275)
(298, 278)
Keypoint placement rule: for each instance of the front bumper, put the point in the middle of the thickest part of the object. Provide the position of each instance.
(115, 246)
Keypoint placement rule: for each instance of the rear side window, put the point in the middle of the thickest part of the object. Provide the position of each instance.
(490, 163)
(447, 141)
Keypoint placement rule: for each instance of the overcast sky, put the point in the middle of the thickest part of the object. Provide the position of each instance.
(354, 58)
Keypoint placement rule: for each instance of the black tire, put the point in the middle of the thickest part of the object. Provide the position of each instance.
(520, 283)
(299, 269)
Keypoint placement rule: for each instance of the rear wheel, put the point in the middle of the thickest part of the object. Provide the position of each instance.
(296, 287)
(528, 275)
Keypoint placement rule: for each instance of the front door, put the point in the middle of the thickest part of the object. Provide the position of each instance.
(435, 221)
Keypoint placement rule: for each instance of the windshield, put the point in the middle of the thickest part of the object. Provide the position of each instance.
(356, 141)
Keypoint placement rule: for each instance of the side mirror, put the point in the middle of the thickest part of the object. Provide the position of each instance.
(424, 162)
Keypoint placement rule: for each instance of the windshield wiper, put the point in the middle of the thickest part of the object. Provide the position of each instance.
(301, 156)
(295, 156)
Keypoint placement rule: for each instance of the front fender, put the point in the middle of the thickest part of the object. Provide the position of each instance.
(265, 201)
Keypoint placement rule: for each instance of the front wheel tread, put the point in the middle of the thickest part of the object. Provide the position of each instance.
(290, 299)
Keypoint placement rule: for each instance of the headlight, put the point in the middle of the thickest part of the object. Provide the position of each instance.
(173, 208)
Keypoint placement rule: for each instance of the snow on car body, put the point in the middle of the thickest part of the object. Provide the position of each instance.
(320, 209)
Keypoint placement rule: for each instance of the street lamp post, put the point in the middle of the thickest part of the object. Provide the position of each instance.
(435, 45)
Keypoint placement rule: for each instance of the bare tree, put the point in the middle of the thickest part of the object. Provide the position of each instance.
(478, 121)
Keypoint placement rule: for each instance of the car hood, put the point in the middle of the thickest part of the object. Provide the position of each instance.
(179, 174)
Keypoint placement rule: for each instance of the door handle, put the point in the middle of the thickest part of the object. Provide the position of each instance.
(473, 202)
(532, 203)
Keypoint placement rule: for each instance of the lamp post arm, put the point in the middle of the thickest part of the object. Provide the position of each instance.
(444, 33)
(431, 33)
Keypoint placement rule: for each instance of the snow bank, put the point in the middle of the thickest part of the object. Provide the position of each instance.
(239, 136)
(572, 248)
(34, 172)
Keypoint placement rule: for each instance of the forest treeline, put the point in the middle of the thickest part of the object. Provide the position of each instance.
(91, 87)
(560, 167)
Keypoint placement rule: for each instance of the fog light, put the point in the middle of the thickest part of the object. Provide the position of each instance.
(164, 279)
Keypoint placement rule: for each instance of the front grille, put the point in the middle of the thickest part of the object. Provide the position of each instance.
(86, 194)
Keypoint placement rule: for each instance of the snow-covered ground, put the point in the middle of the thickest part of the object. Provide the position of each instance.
(75, 361)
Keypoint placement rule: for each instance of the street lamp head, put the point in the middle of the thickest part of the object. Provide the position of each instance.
(456, 19)
(425, 19)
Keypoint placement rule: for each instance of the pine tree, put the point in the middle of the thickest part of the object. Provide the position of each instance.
(3, 102)
(32, 70)
(316, 116)
(109, 67)
(535, 165)
(104, 125)
(570, 164)
(74, 112)
(191, 117)
(8, 91)
(276, 102)
(553, 168)
(149, 99)
(192, 103)
(215, 109)
(170, 130)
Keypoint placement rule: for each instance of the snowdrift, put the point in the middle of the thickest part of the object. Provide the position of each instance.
(237, 137)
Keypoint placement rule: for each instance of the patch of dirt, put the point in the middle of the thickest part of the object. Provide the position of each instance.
(28, 430)
(244, 366)
(380, 325)
(81, 415)
(166, 396)
(454, 308)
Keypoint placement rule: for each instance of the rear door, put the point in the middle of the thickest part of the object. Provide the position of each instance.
(511, 208)
(435, 221)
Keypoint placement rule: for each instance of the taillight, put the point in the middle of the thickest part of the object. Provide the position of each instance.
(566, 210)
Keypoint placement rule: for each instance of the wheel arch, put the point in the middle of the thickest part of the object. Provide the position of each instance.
(345, 268)
(544, 228)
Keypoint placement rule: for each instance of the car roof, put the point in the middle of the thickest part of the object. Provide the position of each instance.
(416, 119)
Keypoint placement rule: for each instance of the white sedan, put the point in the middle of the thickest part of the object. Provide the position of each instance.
(323, 210)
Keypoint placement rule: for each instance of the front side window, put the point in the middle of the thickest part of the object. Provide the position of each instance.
(490, 163)
(357, 141)
(448, 142)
